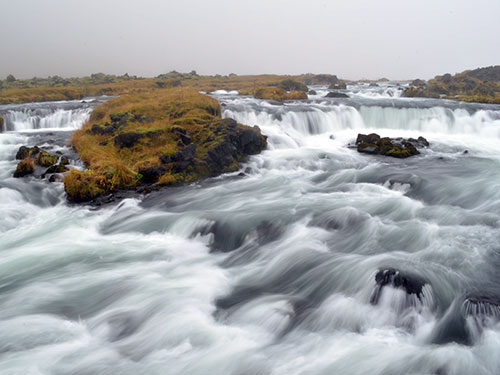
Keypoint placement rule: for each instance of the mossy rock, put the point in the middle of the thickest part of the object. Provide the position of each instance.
(27, 152)
(394, 147)
(24, 168)
(46, 159)
(1, 123)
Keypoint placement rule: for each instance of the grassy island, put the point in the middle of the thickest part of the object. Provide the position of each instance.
(167, 137)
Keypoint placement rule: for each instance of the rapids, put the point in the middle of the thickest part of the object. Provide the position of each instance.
(314, 260)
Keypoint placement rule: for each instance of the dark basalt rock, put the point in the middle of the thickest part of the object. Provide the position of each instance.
(183, 135)
(411, 284)
(312, 92)
(395, 147)
(127, 140)
(334, 94)
(186, 154)
(151, 175)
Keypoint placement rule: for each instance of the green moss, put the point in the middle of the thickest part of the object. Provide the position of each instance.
(46, 159)
(24, 168)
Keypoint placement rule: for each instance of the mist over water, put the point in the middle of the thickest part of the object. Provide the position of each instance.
(318, 260)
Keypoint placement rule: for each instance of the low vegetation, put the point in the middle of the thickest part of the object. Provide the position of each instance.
(14, 90)
(279, 94)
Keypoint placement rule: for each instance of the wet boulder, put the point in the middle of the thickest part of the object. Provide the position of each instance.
(46, 159)
(312, 92)
(26, 152)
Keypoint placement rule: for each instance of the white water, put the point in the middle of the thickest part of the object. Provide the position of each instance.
(47, 116)
(271, 273)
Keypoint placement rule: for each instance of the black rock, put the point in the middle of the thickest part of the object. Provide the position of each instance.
(370, 138)
(126, 140)
(186, 154)
(334, 94)
(395, 147)
(151, 175)
(411, 284)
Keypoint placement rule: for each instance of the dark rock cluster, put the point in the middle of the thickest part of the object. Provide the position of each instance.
(33, 158)
(395, 147)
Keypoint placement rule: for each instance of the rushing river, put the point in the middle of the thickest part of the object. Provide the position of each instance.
(273, 272)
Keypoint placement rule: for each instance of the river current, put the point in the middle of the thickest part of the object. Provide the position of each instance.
(312, 259)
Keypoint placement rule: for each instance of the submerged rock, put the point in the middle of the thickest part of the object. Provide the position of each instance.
(395, 147)
(411, 284)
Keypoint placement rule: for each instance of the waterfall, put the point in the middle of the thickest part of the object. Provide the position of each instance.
(325, 118)
(45, 118)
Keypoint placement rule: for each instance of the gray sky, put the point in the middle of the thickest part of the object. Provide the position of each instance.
(398, 39)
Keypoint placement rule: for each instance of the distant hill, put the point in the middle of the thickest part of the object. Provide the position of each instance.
(490, 73)
(478, 85)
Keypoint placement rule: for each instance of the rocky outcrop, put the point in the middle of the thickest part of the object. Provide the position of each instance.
(395, 147)
(238, 143)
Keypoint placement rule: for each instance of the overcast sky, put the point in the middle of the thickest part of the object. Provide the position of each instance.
(398, 39)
